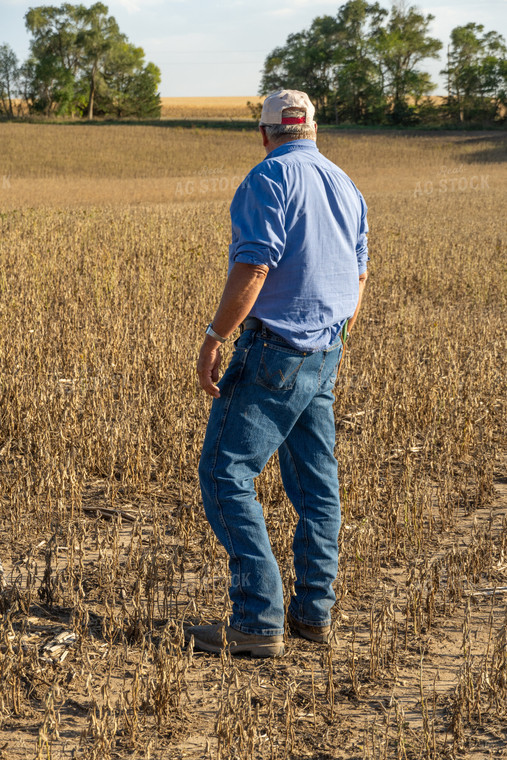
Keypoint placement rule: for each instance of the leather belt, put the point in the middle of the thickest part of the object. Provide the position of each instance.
(250, 323)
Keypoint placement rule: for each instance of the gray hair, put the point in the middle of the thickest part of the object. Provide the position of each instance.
(277, 132)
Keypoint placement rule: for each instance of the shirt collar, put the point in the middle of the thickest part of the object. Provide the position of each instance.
(301, 144)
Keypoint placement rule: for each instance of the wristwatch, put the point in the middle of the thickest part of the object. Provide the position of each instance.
(210, 331)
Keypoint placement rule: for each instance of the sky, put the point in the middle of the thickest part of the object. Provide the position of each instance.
(217, 48)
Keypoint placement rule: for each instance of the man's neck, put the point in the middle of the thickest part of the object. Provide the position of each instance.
(272, 145)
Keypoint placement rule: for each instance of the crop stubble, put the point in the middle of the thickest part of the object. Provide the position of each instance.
(112, 257)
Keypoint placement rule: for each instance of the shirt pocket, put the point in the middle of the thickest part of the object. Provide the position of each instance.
(278, 368)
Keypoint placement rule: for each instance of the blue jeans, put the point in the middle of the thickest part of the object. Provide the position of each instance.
(274, 397)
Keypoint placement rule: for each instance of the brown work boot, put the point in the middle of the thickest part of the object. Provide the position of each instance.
(319, 633)
(210, 638)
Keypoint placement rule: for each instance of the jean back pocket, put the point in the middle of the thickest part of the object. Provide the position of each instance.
(278, 368)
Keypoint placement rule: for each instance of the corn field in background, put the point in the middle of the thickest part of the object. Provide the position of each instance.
(113, 255)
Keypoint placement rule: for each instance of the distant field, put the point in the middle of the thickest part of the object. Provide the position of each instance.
(208, 108)
(195, 108)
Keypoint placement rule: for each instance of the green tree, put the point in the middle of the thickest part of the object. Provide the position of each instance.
(9, 78)
(359, 87)
(476, 73)
(360, 65)
(332, 61)
(97, 39)
(402, 44)
(55, 57)
(80, 58)
(305, 62)
(131, 87)
(26, 84)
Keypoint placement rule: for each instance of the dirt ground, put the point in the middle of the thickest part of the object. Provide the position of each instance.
(393, 694)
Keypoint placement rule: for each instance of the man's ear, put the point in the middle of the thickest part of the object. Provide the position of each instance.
(265, 138)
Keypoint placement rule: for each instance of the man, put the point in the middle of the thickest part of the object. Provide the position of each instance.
(297, 269)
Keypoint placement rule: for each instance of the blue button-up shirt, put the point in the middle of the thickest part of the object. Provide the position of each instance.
(303, 217)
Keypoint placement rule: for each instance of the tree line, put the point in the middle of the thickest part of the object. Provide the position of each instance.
(363, 66)
(80, 64)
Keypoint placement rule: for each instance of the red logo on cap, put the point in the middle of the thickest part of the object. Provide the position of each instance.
(293, 119)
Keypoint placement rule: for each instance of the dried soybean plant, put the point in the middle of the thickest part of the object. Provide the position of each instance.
(104, 292)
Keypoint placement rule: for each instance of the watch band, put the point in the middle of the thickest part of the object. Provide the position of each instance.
(210, 331)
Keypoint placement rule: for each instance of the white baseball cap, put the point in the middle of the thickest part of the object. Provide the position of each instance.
(285, 101)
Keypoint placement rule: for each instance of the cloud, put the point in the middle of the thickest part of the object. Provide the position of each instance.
(306, 3)
(281, 12)
(298, 7)
(133, 6)
(129, 5)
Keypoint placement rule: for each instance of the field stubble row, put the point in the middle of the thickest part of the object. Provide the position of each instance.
(105, 548)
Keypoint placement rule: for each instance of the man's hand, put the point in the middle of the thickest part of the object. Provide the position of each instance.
(208, 365)
(240, 293)
(362, 282)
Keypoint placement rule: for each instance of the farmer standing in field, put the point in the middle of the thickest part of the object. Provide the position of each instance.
(297, 270)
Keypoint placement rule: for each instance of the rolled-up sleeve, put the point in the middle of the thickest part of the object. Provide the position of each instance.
(362, 239)
(258, 221)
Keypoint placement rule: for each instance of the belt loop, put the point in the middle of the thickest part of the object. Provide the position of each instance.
(264, 332)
